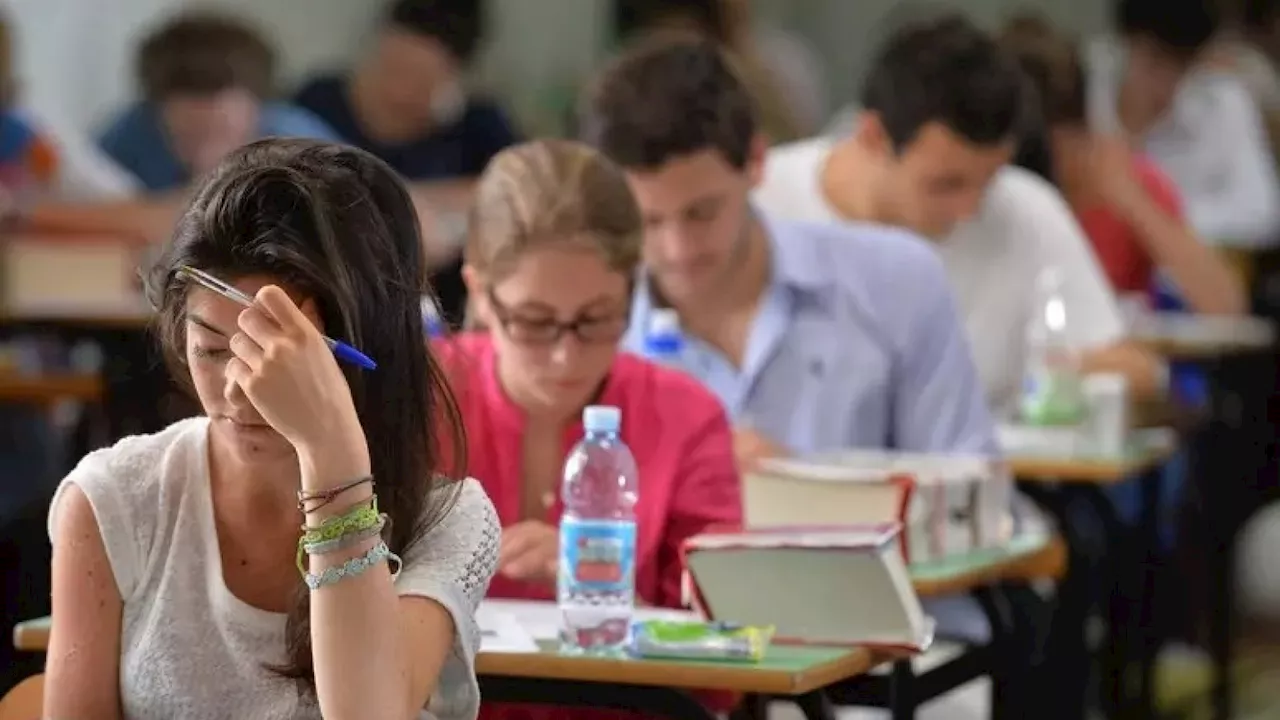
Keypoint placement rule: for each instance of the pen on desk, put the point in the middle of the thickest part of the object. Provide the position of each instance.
(340, 349)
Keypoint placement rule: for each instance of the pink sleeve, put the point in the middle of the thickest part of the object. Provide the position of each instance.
(1161, 188)
(708, 492)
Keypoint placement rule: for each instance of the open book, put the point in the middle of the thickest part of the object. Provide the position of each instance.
(841, 587)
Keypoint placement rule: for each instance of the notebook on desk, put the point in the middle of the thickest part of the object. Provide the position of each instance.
(840, 586)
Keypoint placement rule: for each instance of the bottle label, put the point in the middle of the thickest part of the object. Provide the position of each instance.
(597, 555)
(1051, 397)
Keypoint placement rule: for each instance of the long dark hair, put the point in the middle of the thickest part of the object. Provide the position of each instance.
(336, 224)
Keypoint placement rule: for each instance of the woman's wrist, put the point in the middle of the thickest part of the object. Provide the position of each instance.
(333, 464)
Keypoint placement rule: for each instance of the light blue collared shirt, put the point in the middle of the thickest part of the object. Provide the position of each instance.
(857, 344)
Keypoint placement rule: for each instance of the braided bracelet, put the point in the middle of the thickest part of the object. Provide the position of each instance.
(342, 542)
(355, 567)
(356, 520)
(325, 497)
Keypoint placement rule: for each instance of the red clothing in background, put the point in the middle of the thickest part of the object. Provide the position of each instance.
(1119, 249)
(683, 447)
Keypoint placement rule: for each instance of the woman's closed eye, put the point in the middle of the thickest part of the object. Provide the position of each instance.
(203, 352)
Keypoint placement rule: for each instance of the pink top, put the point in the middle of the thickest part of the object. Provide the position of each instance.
(1119, 249)
(676, 429)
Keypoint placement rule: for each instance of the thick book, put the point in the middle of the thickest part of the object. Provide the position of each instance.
(947, 504)
(846, 586)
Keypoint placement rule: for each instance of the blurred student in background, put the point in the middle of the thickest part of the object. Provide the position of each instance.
(816, 337)
(783, 77)
(802, 330)
(943, 109)
(207, 83)
(553, 247)
(1127, 206)
(407, 102)
(40, 160)
(1201, 127)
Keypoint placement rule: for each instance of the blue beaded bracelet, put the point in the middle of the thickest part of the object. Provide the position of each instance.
(355, 566)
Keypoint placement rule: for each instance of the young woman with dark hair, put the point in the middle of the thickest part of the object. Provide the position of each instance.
(180, 581)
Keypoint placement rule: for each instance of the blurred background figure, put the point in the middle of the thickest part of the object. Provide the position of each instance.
(1203, 128)
(783, 76)
(207, 82)
(407, 100)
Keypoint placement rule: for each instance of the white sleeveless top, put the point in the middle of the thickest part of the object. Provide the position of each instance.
(192, 649)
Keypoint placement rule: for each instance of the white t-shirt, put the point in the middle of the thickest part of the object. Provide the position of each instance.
(993, 261)
(1212, 142)
(191, 648)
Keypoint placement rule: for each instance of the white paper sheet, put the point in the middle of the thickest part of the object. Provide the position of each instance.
(518, 625)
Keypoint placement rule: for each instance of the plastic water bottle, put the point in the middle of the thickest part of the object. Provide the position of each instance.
(1051, 389)
(663, 339)
(596, 587)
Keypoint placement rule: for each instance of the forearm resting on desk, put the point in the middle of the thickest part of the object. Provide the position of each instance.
(1146, 372)
(1203, 276)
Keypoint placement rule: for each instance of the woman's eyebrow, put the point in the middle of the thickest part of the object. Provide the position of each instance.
(197, 320)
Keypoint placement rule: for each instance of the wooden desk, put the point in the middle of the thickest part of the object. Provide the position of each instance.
(785, 670)
(1182, 336)
(1024, 559)
(49, 388)
(548, 677)
(1144, 456)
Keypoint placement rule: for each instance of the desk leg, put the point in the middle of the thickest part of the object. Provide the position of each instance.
(1117, 651)
(661, 702)
(1063, 676)
(817, 706)
(1150, 629)
(903, 693)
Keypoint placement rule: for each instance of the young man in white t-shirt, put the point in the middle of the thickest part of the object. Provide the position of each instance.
(943, 107)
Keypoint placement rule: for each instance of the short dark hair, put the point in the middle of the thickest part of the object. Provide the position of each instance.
(203, 54)
(1052, 64)
(669, 97)
(945, 69)
(1181, 27)
(632, 17)
(456, 24)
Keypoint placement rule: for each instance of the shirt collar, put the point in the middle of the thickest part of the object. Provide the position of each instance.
(795, 265)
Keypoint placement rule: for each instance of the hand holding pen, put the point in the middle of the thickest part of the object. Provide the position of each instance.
(340, 349)
(287, 369)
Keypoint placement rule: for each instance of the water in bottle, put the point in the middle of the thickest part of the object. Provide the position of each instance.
(596, 585)
(663, 338)
(1051, 393)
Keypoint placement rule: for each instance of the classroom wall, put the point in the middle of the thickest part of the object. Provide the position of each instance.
(75, 55)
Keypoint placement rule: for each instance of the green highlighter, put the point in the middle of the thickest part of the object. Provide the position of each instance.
(699, 640)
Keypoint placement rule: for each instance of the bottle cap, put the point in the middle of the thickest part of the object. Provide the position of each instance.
(601, 418)
(663, 321)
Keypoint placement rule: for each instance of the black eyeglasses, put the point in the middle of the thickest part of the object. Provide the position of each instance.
(603, 329)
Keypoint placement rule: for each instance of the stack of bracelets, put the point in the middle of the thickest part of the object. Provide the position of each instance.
(359, 524)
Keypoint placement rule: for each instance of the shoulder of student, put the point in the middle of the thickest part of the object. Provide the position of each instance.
(791, 174)
(287, 120)
(135, 488)
(868, 261)
(1023, 204)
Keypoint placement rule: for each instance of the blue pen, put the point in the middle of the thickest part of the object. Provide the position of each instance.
(342, 350)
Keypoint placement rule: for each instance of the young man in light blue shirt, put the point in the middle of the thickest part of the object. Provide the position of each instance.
(816, 337)
(205, 82)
